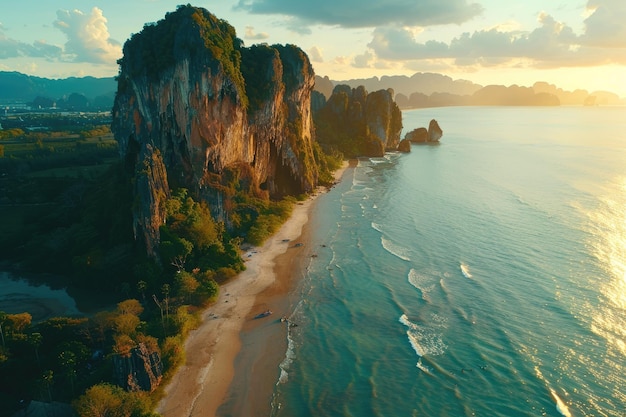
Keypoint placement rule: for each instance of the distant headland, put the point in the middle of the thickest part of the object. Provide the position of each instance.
(21, 91)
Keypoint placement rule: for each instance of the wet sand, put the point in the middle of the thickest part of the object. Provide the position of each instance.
(264, 342)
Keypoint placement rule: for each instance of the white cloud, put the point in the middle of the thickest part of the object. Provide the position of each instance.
(364, 60)
(11, 48)
(315, 54)
(605, 24)
(552, 44)
(88, 37)
(250, 34)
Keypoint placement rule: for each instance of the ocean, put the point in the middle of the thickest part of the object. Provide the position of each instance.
(484, 276)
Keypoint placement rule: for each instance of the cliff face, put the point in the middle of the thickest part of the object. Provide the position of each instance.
(189, 108)
(359, 123)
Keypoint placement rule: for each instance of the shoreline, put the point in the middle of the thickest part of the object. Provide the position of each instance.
(257, 365)
(207, 380)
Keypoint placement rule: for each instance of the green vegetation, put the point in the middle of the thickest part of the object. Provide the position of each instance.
(66, 201)
(260, 68)
(65, 359)
(155, 49)
(336, 132)
(342, 123)
(80, 227)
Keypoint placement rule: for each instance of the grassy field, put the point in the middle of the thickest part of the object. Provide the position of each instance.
(29, 148)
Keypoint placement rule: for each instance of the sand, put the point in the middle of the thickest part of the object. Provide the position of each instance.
(203, 383)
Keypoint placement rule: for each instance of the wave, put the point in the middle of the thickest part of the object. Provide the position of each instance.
(378, 160)
(377, 227)
(425, 340)
(290, 355)
(422, 283)
(424, 368)
(465, 271)
(395, 249)
(415, 344)
(560, 405)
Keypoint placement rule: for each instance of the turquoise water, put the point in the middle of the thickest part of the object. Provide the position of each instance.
(485, 276)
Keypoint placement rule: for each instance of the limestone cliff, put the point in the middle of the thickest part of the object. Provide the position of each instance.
(359, 123)
(193, 103)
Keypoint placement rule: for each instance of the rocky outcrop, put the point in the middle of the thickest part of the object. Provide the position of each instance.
(423, 135)
(359, 123)
(193, 103)
(404, 146)
(141, 371)
(419, 135)
(434, 131)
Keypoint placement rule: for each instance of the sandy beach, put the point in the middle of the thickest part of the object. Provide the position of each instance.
(214, 376)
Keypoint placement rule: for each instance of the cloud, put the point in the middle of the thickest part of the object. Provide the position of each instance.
(552, 44)
(604, 26)
(88, 37)
(249, 34)
(315, 54)
(364, 60)
(356, 13)
(11, 48)
(45, 50)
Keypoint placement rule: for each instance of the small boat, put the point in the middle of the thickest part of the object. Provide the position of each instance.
(263, 314)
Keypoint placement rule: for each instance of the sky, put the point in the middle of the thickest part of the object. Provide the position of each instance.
(570, 43)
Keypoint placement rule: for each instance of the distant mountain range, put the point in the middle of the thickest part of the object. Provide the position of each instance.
(418, 90)
(16, 87)
(435, 90)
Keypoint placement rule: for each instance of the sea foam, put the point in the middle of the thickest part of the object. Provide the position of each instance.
(422, 283)
(395, 249)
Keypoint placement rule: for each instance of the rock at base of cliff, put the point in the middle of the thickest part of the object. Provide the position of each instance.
(404, 146)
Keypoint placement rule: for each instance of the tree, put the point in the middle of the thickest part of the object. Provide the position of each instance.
(67, 360)
(130, 306)
(165, 290)
(141, 287)
(19, 322)
(35, 339)
(126, 324)
(175, 249)
(123, 345)
(187, 284)
(48, 378)
(101, 323)
(104, 400)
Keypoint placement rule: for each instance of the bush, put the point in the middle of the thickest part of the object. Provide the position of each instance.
(173, 353)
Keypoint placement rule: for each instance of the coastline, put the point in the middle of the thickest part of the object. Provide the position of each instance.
(208, 380)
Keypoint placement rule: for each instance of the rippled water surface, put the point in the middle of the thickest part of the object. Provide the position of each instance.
(484, 276)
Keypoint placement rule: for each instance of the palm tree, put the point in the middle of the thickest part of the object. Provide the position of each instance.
(48, 377)
(141, 287)
(35, 340)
